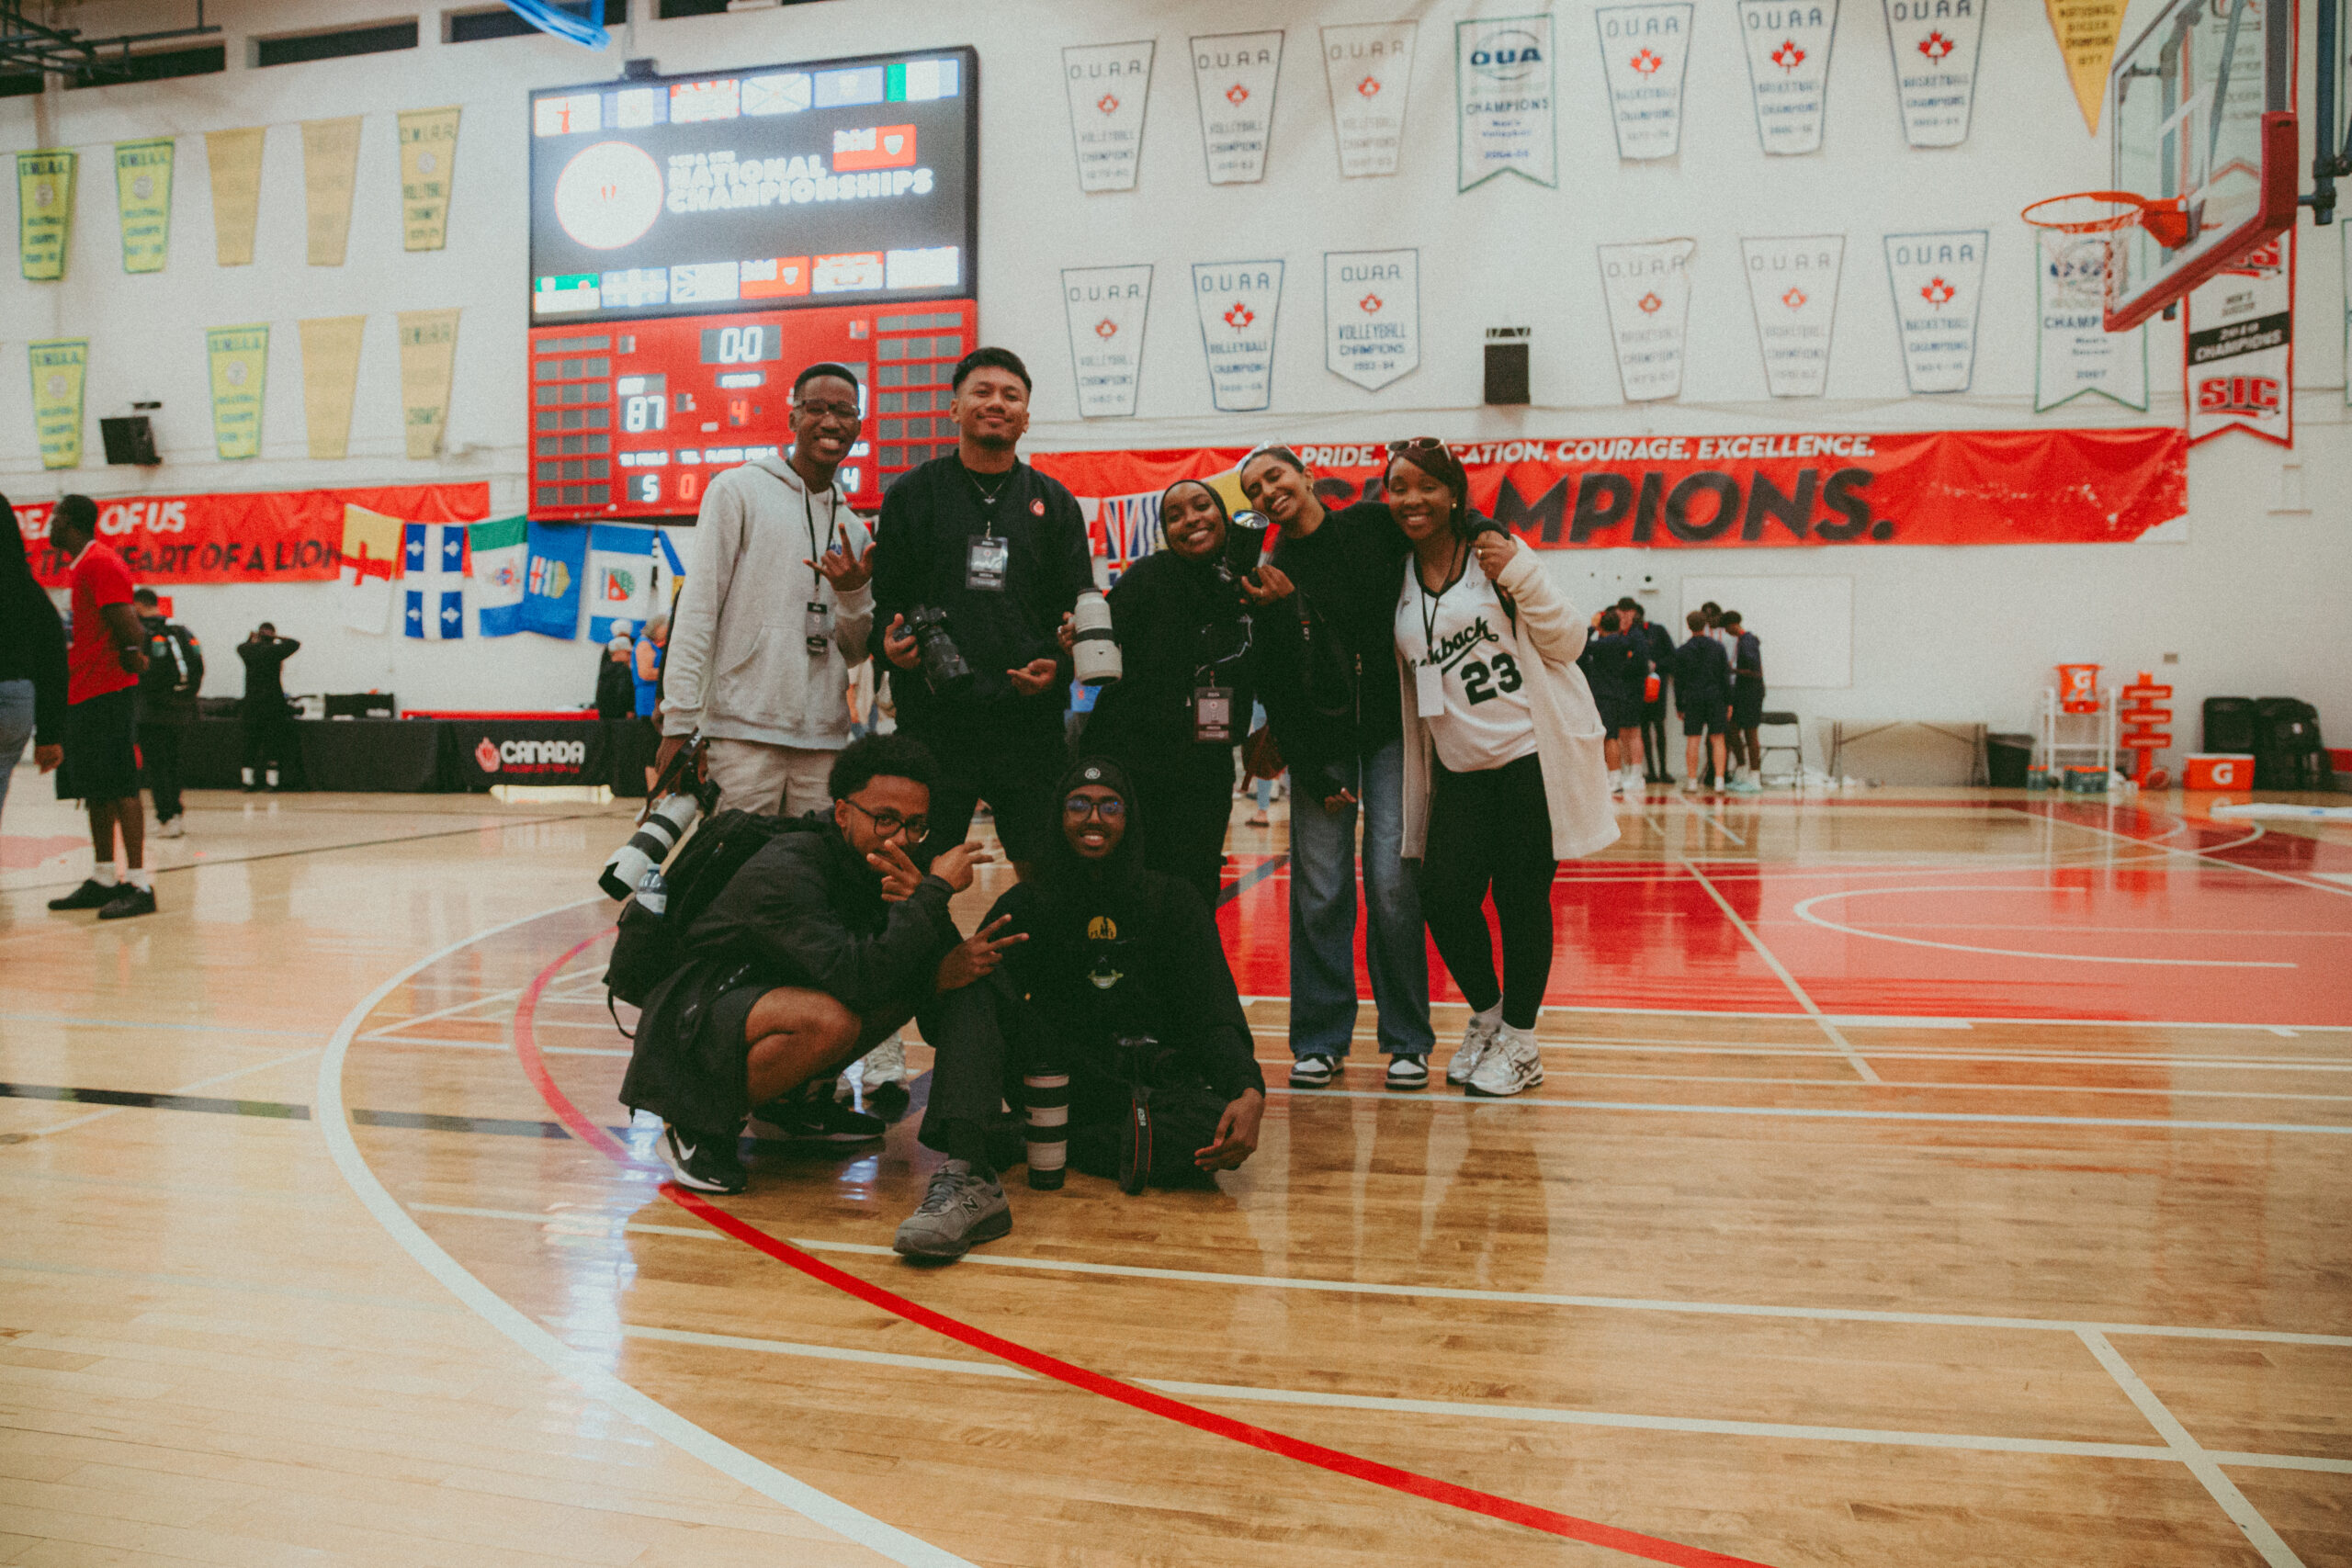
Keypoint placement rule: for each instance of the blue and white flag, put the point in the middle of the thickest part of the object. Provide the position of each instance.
(501, 555)
(433, 581)
(558, 556)
(620, 580)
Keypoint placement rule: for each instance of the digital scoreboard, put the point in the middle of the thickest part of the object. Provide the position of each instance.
(696, 239)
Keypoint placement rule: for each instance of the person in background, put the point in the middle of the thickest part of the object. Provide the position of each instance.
(646, 660)
(1616, 666)
(1747, 706)
(103, 665)
(167, 694)
(32, 660)
(1505, 771)
(1329, 671)
(1659, 644)
(615, 693)
(269, 716)
(1703, 695)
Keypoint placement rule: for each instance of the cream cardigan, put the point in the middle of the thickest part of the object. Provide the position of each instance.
(1567, 725)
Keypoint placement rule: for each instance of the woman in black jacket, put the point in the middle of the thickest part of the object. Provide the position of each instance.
(32, 660)
(1173, 719)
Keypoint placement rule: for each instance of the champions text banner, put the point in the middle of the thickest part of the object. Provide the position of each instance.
(275, 535)
(1980, 487)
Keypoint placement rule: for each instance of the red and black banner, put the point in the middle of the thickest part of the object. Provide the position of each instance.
(260, 536)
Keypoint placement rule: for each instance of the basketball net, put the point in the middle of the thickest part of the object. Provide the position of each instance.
(2104, 214)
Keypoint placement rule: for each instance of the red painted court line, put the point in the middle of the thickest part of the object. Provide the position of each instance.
(1649, 1547)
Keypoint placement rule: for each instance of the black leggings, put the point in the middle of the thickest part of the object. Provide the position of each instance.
(1491, 829)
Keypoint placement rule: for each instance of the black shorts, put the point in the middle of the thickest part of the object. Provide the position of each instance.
(1618, 711)
(1747, 705)
(101, 751)
(1015, 775)
(1705, 721)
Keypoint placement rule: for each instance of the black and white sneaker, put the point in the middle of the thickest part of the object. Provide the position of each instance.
(1314, 1072)
(128, 899)
(1408, 1073)
(795, 1118)
(704, 1162)
(92, 895)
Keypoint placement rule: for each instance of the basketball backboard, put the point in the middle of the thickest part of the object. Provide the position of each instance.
(2202, 106)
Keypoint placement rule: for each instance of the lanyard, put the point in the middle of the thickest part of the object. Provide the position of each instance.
(1430, 606)
(832, 525)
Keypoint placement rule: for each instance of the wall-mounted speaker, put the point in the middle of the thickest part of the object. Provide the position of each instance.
(130, 441)
(1507, 372)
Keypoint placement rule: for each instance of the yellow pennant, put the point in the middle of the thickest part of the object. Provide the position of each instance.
(330, 381)
(330, 169)
(57, 400)
(2086, 31)
(429, 358)
(235, 160)
(428, 163)
(239, 358)
(143, 194)
(44, 210)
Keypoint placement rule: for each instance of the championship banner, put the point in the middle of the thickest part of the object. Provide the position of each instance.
(1234, 76)
(1503, 90)
(58, 368)
(1369, 67)
(330, 172)
(1643, 52)
(1788, 69)
(428, 164)
(233, 158)
(44, 211)
(1935, 45)
(2239, 363)
(2075, 353)
(1939, 282)
(1237, 301)
(239, 357)
(2086, 31)
(1106, 307)
(330, 381)
(1972, 487)
(1793, 284)
(143, 195)
(1108, 84)
(257, 536)
(1372, 315)
(429, 360)
(1648, 290)
(371, 559)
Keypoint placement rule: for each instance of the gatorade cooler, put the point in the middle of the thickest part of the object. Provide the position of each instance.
(2085, 781)
(2217, 769)
(2078, 688)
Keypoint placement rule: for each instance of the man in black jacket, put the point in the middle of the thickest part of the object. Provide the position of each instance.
(1002, 550)
(269, 718)
(1098, 949)
(802, 963)
(1659, 644)
(167, 692)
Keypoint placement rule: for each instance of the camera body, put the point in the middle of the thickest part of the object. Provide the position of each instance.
(1094, 650)
(943, 667)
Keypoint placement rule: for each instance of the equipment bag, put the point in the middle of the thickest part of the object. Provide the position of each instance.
(651, 943)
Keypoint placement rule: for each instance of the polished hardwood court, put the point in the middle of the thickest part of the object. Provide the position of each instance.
(1954, 1177)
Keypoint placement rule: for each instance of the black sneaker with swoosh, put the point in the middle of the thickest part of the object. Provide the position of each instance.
(703, 1162)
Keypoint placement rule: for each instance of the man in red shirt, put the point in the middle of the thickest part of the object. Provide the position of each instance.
(103, 665)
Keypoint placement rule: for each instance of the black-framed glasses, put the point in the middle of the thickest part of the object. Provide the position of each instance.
(889, 823)
(1417, 444)
(1111, 809)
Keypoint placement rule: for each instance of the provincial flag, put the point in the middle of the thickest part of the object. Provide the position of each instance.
(501, 557)
(433, 574)
(620, 580)
(559, 559)
(371, 559)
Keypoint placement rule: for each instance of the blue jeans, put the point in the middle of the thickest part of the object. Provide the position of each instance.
(16, 728)
(1323, 919)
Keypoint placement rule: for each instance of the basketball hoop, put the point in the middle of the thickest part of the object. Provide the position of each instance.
(2165, 218)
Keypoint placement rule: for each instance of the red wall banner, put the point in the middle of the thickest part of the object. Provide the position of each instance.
(268, 536)
(1972, 487)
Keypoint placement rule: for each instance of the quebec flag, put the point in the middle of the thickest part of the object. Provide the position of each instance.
(620, 580)
(433, 562)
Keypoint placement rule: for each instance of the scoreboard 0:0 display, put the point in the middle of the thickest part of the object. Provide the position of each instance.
(747, 344)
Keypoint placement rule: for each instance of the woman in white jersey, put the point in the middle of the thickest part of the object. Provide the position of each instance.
(1504, 771)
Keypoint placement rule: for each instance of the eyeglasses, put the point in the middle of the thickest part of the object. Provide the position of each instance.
(1080, 807)
(829, 411)
(1417, 443)
(889, 823)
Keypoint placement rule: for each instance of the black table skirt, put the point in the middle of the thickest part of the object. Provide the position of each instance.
(406, 756)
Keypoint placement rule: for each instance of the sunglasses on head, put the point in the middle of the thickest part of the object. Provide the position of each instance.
(1417, 443)
(1109, 808)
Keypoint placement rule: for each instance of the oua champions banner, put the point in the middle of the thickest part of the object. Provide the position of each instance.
(1976, 487)
(277, 535)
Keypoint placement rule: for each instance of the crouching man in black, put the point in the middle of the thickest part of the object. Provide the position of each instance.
(801, 964)
(1113, 950)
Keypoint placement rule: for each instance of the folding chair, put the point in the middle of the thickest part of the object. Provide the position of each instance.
(1776, 719)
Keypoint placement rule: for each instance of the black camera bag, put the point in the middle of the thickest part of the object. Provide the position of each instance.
(651, 947)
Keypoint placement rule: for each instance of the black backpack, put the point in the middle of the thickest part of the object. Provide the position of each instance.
(2288, 752)
(652, 945)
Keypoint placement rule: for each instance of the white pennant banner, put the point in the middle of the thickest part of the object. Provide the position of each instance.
(1237, 301)
(2239, 363)
(1642, 51)
(2075, 353)
(1793, 284)
(1372, 315)
(1235, 74)
(1106, 307)
(1935, 45)
(1108, 84)
(1939, 282)
(1648, 290)
(1503, 87)
(1787, 67)
(1370, 68)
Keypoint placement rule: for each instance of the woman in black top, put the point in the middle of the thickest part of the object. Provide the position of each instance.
(616, 682)
(1173, 719)
(32, 660)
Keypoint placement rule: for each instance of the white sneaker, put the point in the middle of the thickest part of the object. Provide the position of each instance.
(1617, 781)
(1514, 1066)
(887, 1063)
(1745, 785)
(174, 828)
(1634, 783)
(1478, 1037)
(1689, 785)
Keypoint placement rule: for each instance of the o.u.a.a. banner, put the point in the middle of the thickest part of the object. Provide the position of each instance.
(1238, 302)
(240, 363)
(1643, 52)
(2239, 363)
(1792, 286)
(1939, 283)
(1505, 99)
(44, 210)
(1648, 290)
(143, 195)
(1106, 307)
(1788, 69)
(1108, 85)
(1372, 315)
(2073, 352)
(1935, 46)
(58, 368)
(1234, 75)
(1369, 67)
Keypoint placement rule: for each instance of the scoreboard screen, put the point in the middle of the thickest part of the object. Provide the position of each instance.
(696, 240)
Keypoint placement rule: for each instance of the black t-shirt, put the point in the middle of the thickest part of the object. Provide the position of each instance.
(1349, 571)
(265, 670)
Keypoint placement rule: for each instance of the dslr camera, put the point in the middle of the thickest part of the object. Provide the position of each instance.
(943, 667)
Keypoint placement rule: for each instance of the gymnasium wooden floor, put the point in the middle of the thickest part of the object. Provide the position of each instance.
(1921, 1177)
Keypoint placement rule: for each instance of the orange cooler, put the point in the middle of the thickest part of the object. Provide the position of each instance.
(2218, 769)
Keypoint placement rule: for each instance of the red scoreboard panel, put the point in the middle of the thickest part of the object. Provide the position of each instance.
(632, 420)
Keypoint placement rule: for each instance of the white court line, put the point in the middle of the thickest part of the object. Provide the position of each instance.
(2185, 1448)
(491, 1045)
(1644, 1045)
(585, 1372)
(484, 1000)
(1868, 1020)
(1911, 1083)
(614, 1224)
(184, 1089)
(2212, 855)
(79, 1021)
(1803, 909)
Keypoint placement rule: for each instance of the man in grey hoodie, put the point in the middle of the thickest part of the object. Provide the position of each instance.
(775, 610)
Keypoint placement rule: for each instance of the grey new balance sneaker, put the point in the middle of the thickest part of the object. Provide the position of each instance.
(962, 1209)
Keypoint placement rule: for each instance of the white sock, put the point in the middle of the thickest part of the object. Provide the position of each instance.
(138, 877)
(103, 874)
(1491, 1019)
(1519, 1036)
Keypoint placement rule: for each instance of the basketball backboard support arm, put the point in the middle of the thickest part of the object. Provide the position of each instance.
(2330, 138)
